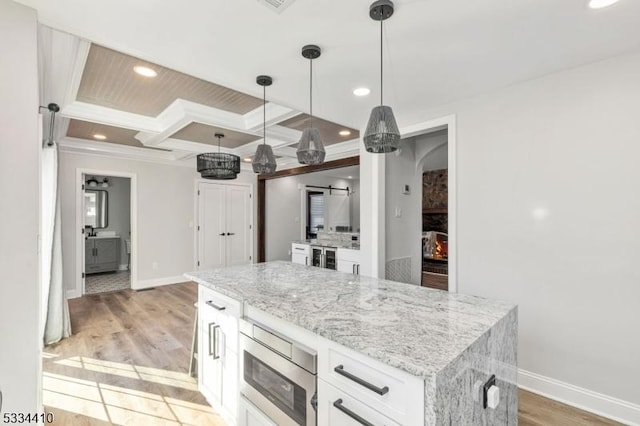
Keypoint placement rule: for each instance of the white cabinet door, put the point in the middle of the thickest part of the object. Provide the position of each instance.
(251, 416)
(210, 371)
(211, 222)
(238, 219)
(347, 266)
(230, 382)
(302, 259)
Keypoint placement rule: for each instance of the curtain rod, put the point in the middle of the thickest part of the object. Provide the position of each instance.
(53, 109)
(330, 188)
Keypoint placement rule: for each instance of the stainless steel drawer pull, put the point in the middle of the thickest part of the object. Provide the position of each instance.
(214, 306)
(298, 248)
(380, 391)
(354, 416)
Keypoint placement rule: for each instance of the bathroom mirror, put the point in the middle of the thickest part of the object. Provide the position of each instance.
(96, 208)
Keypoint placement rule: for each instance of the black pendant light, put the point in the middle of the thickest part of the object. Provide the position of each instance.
(264, 162)
(310, 147)
(382, 134)
(218, 165)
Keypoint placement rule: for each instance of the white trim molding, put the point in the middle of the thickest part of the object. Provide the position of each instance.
(584, 399)
(157, 282)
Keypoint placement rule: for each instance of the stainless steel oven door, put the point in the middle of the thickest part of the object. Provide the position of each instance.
(279, 388)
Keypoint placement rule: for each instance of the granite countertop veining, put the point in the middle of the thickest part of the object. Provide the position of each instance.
(412, 328)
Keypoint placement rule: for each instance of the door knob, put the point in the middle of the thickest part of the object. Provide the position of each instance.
(230, 233)
(223, 234)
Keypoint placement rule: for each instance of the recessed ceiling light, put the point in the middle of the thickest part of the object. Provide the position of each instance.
(99, 136)
(349, 177)
(248, 160)
(145, 71)
(344, 132)
(361, 91)
(599, 4)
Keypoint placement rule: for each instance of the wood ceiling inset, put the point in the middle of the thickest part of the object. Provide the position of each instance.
(202, 133)
(328, 130)
(86, 130)
(109, 80)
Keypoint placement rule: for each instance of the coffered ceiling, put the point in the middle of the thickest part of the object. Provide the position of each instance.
(436, 52)
(108, 104)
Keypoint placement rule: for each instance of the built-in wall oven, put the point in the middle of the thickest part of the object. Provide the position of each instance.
(324, 257)
(278, 376)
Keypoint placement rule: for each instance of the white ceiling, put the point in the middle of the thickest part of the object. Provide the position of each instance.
(437, 51)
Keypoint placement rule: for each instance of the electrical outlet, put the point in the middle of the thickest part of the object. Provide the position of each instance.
(485, 391)
(398, 212)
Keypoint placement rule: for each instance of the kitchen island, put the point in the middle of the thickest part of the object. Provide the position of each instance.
(452, 343)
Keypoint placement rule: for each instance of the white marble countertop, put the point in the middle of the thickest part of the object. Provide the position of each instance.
(415, 329)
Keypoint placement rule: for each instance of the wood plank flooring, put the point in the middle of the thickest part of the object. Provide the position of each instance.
(127, 364)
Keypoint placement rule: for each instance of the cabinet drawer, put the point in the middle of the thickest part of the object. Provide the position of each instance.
(397, 394)
(211, 300)
(337, 408)
(304, 249)
(349, 254)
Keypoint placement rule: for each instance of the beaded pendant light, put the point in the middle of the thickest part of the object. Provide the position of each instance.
(264, 162)
(310, 148)
(218, 165)
(382, 134)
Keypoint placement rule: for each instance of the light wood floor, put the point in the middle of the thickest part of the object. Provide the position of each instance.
(127, 364)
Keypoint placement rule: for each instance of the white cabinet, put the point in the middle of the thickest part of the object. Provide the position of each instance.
(218, 351)
(376, 389)
(249, 415)
(300, 253)
(224, 225)
(349, 261)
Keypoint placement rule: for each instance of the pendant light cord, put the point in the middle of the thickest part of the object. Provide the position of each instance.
(264, 115)
(311, 93)
(218, 144)
(381, 69)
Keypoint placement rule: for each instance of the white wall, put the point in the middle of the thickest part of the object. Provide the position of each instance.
(165, 216)
(20, 364)
(548, 206)
(283, 207)
(119, 221)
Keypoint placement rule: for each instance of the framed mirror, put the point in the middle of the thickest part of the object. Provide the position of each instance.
(96, 208)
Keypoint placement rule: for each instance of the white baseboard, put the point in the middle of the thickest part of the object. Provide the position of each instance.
(157, 282)
(73, 294)
(584, 399)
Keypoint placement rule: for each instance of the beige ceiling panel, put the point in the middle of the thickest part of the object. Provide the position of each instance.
(109, 80)
(86, 130)
(329, 131)
(202, 133)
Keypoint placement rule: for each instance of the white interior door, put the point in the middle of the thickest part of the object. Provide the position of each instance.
(238, 239)
(211, 222)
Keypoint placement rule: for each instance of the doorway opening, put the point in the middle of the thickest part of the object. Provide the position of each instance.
(417, 210)
(315, 213)
(107, 233)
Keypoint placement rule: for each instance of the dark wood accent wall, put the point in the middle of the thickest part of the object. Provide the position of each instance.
(262, 192)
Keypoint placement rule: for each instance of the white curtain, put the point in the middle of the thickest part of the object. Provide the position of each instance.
(55, 307)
